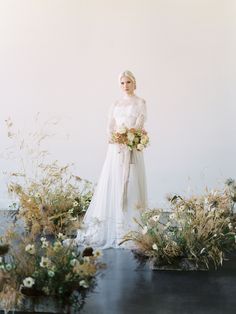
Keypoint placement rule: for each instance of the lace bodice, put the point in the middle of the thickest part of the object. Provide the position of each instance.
(129, 111)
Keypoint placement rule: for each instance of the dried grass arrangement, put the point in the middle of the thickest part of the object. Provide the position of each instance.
(51, 200)
(49, 197)
(55, 203)
(197, 233)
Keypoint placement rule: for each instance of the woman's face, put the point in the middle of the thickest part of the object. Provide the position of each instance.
(127, 85)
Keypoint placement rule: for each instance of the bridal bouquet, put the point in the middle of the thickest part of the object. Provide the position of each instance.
(132, 138)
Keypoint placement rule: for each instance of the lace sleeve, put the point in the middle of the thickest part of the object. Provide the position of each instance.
(111, 120)
(142, 117)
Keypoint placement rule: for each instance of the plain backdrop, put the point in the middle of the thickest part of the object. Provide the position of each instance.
(62, 59)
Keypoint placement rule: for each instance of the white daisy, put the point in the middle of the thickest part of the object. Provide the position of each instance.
(156, 218)
(45, 244)
(30, 249)
(155, 247)
(28, 282)
(45, 262)
(97, 253)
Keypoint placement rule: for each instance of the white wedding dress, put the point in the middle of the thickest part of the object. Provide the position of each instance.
(121, 192)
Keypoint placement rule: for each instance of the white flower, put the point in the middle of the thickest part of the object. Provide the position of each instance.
(51, 273)
(140, 147)
(144, 139)
(97, 253)
(230, 226)
(28, 282)
(42, 239)
(83, 283)
(61, 236)
(154, 246)
(45, 244)
(145, 230)
(130, 136)
(122, 130)
(156, 218)
(45, 262)
(75, 203)
(30, 249)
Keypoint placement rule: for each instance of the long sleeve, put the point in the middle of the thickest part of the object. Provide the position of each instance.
(111, 120)
(142, 117)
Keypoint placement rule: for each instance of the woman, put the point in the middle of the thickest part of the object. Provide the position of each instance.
(121, 191)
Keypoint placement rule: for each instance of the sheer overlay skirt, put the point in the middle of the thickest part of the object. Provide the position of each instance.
(120, 196)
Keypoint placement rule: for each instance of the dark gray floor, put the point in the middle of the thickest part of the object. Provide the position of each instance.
(126, 289)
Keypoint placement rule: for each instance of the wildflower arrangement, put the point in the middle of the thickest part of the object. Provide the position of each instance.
(55, 203)
(132, 138)
(47, 268)
(51, 201)
(195, 235)
(49, 197)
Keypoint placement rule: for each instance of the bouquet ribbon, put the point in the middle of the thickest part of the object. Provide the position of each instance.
(127, 159)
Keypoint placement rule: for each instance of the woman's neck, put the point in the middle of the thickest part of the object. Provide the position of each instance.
(127, 96)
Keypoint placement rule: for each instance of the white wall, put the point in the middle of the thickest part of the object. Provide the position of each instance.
(62, 59)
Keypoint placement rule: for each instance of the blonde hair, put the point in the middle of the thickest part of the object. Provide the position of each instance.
(128, 74)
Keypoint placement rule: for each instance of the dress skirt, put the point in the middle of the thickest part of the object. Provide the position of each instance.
(120, 196)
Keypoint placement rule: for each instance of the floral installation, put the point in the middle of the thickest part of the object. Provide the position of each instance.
(131, 137)
(53, 204)
(46, 268)
(196, 234)
(49, 197)
(51, 201)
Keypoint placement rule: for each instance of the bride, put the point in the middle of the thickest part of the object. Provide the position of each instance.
(121, 192)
